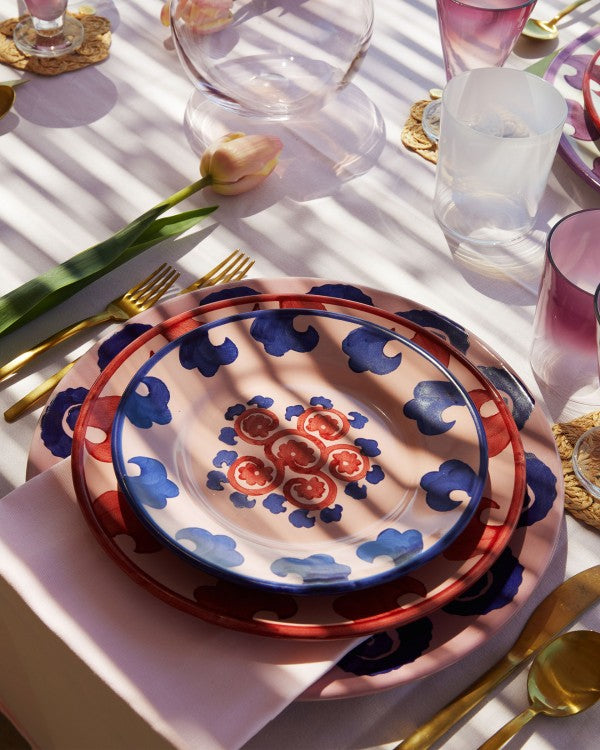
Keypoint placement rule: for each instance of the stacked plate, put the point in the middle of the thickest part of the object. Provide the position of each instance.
(304, 459)
(575, 72)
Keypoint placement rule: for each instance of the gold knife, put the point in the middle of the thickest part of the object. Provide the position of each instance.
(556, 612)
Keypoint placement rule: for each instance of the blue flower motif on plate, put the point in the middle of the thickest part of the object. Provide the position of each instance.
(312, 569)
(390, 650)
(364, 347)
(232, 293)
(149, 408)
(431, 399)
(441, 325)
(215, 549)
(278, 335)
(397, 545)
(151, 487)
(114, 344)
(342, 291)
(451, 476)
(494, 590)
(541, 491)
(198, 352)
(63, 409)
(515, 394)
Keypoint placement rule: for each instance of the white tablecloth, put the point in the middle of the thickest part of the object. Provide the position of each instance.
(82, 154)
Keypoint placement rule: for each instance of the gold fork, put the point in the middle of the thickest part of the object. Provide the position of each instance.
(134, 301)
(233, 268)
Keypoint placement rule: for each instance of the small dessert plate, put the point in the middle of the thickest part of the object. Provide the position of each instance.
(302, 451)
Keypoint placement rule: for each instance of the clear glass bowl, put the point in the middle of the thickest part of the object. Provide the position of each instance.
(274, 59)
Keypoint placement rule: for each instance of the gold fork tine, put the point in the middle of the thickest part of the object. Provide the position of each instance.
(233, 268)
(238, 273)
(133, 301)
(148, 281)
(153, 294)
(219, 272)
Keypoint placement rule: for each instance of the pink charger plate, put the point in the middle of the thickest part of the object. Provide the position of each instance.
(395, 656)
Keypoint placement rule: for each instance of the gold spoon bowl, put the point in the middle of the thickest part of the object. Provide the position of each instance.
(564, 679)
(7, 95)
(546, 30)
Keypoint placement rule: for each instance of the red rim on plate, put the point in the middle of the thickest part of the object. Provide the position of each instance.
(591, 89)
(282, 615)
(429, 644)
(300, 451)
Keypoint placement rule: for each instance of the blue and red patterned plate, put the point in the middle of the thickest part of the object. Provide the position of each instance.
(274, 613)
(304, 451)
(424, 640)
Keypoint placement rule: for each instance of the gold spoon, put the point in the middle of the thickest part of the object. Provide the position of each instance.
(546, 30)
(7, 94)
(564, 679)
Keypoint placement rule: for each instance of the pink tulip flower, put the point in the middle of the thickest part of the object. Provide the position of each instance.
(202, 16)
(237, 162)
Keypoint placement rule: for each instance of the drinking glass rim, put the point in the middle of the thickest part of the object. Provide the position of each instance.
(540, 82)
(493, 9)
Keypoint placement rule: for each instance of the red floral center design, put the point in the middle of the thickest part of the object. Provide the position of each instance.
(301, 462)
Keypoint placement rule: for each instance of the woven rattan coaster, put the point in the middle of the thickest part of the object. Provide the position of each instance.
(94, 49)
(413, 136)
(577, 501)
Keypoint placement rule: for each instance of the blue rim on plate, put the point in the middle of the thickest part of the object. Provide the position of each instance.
(359, 465)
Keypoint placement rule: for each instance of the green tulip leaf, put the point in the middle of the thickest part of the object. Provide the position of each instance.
(53, 287)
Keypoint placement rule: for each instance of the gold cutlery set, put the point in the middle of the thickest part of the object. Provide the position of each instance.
(139, 298)
(555, 613)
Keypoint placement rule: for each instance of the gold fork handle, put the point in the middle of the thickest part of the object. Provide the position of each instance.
(18, 362)
(508, 731)
(34, 397)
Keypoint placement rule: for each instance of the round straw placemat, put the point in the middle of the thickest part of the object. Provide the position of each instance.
(578, 502)
(94, 49)
(413, 136)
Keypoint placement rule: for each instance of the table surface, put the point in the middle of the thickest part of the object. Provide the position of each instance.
(82, 154)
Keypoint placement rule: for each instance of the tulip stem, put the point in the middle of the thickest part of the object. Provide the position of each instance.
(186, 191)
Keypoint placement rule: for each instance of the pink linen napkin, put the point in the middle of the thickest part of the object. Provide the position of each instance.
(197, 684)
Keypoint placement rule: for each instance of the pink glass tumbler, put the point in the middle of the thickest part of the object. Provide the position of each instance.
(475, 34)
(586, 453)
(564, 353)
(479, 33)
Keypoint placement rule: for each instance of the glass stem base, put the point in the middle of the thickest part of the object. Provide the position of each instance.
(40, 38)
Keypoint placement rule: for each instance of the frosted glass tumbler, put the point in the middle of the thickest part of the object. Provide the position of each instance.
(564, 352)
(499, 133)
